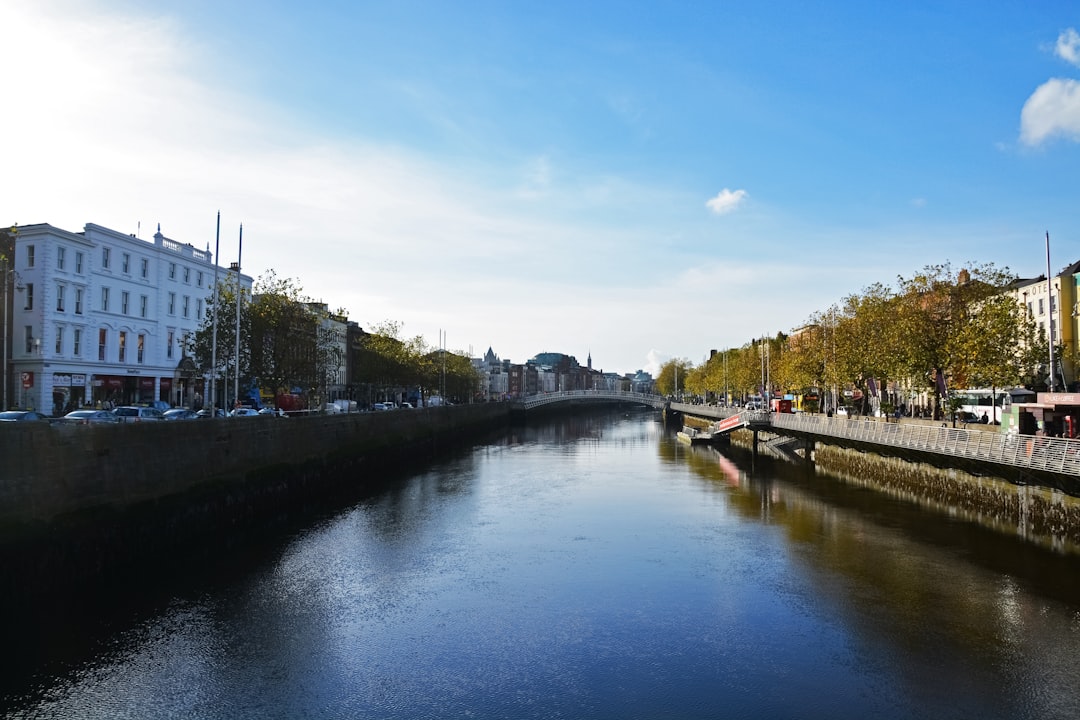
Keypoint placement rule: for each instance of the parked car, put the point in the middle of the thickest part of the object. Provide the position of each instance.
(160, 405)
(272, 411)
(180, 414)
(379, 407)
(966, 417)
(134, 413)
(22, 416)
(206, 412)
(89, 417)
(244, 412)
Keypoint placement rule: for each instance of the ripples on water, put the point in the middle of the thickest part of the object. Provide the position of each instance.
(591, 568)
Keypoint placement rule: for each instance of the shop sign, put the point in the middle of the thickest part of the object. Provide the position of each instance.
(27, 380)
(78, 379)
(61, 380)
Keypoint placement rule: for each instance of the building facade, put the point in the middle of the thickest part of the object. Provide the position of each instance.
(101, 316)
(1052, 305)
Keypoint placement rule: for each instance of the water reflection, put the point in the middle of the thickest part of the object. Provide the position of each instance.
(590, 568)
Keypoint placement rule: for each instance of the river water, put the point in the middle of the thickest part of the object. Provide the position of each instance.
(588, 568)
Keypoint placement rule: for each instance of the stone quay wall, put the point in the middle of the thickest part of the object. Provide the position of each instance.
(1040, 515)
(49, 471)
(79, 501)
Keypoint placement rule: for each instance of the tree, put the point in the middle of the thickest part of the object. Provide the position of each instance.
(207, 347)
(672, 377)
(281, 347)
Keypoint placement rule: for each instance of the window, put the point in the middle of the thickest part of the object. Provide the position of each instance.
(29, 296)
(1042, 308)
(143, 302)
(125, 263)
(59, 340)
(187, 275)
(78, 263)
(60, 257)
(78, 301)
(122, 348)
(76, 342)
(105, 255)
(198, 308)
(29, 256)
(187, 302)
(103, 335)
(168, 346)
(29, 339)
(141, 349)
(104, 299)
(124, 302)
(145, 271)
(59, 298)
(172, 303)
(198, 279)
(172, 271)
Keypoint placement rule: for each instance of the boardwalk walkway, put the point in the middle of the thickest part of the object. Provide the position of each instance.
(1014, 455)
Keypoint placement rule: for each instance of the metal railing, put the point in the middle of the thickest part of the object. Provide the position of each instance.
(532, 401)
(1048, 454)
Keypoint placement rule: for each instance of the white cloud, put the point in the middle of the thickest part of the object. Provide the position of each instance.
(1068, 47)
(1052, 110)
(727, 201)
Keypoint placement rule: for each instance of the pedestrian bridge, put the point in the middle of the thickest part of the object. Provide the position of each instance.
(590, 396)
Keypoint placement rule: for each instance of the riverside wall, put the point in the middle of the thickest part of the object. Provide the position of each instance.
(74, 500)
(1040, 515)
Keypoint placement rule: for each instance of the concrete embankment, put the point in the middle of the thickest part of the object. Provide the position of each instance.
(1041, 515)
(73, 499)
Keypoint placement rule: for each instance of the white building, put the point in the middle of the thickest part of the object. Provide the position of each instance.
(101, 316)
(1053, 307)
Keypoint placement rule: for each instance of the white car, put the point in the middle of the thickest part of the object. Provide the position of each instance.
(244, 412)
(133, 413)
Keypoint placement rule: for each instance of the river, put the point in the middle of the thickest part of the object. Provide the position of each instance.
(592, 567)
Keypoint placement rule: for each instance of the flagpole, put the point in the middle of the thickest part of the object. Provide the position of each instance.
(239, 251)
(217, 311)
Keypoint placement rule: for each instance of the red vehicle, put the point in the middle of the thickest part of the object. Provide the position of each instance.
(290, 402)
(781, 406)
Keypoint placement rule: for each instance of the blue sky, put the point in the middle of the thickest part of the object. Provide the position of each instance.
(636, 180)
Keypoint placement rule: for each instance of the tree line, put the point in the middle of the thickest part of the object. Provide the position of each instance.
(938, 329)
(289, 343)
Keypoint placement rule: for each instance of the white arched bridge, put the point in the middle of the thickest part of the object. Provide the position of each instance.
(589, 396)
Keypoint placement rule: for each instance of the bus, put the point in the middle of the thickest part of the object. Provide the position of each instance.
(977, 401)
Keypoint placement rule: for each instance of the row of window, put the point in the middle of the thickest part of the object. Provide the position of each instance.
(106, 297)
(103, 338)
(106, 263)
(1042, 307)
